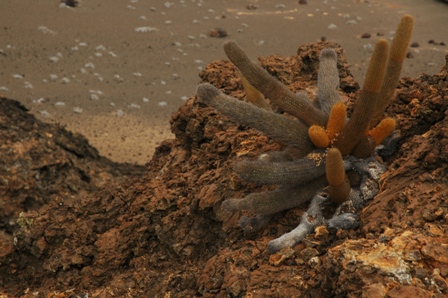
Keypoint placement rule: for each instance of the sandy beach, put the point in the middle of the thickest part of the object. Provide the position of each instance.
(115, 71)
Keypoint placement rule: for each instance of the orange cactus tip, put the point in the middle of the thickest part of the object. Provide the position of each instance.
(382, 130)
(336, 121)
(318, 136)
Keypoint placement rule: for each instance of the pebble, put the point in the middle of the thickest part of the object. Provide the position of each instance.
(54, 59)
(70, 3)
(89, 65)
(145, 29)
(218, 32)
(368, 47)
(44, 29)
(45, 114)
(366, 35)
(251, 6)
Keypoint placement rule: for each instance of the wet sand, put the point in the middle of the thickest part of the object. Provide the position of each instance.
(115, 71)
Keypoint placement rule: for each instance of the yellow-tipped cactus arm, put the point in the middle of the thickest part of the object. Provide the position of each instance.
(336, 121)
(318, 136)
(382, 130)
(297, 105)
(358, 124)
(398, 50)
(253, 95)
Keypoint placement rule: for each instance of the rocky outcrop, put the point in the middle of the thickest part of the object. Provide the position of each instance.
(163, 234)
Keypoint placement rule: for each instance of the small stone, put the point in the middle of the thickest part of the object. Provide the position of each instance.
(341, 234)
(370, 236)
(321, 231)
(442, 43)
(251, 6)
(366, 35)
(434, 230)
(314, 262)
(413, 255)
(71, 3)
(414, 45)
(323, 38)
(308, 253)
(421, 273)
(428, 215)
(218, 32)
(380, 34)
(439, 281)
(281, 256)
(303, 2)
(409, 55)
(444, 272)
(311, 243)
(439, 212)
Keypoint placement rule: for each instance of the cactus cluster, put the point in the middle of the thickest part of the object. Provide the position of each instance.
(321, 144)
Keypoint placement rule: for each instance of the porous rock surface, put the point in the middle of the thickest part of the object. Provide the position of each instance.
(162, 233)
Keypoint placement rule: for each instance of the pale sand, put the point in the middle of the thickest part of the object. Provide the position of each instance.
(127, 83)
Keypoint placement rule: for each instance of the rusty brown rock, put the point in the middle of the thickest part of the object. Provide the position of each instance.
(163, 231)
